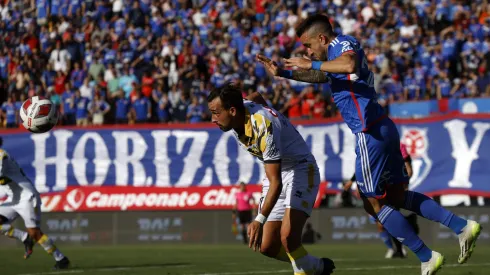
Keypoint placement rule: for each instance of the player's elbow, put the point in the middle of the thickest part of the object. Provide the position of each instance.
(350, 66)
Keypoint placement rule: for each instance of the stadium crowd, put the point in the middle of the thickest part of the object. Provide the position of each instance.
(124, 61)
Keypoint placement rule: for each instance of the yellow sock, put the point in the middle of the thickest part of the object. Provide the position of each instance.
(11, 232)
(282, 255)
(49, 247)
(303, 263)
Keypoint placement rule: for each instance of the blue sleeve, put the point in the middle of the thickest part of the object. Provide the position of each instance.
(343, 45)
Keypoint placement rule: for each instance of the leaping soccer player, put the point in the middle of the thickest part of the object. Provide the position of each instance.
(399, 251)
(291, 186)
(380, 174)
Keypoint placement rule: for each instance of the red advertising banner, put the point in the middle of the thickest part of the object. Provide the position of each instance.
(87, 199)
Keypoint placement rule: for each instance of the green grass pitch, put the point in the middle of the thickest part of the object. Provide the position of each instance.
(169, 259)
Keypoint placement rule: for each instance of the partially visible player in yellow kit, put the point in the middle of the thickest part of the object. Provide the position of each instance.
(292, 182)
(23, 200)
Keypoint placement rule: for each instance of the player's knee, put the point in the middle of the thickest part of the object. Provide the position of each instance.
(35, 233)
(396, 195)
(372, 206)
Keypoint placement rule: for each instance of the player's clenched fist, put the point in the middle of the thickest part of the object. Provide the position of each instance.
(269, 65)
(255, 235)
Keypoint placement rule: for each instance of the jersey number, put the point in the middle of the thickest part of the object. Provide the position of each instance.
(270, 111)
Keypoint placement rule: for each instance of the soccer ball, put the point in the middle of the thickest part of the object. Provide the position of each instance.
(38, 114)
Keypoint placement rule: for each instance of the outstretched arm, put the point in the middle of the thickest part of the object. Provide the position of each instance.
(309, 76)
(344, 64)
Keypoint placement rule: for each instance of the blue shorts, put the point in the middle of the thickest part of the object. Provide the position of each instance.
(379, 161)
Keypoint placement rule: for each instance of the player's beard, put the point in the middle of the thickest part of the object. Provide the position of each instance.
(224, 128)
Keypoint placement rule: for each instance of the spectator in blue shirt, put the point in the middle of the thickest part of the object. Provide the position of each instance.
(195, 111)
(81, 109)
(9, 113)
(411, 87)
(18, 103)
(68, 106)
(443, 86)
(164, 107)
(77, 76)
(4, 62)
(141, 108)
(123, 106)
(179, 111)
(98, 109)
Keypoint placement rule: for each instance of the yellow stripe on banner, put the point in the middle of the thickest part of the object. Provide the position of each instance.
(43, 239)
(297, 254)
(311, 177)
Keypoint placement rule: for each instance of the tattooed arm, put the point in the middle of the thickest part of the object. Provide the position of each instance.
(310, 76)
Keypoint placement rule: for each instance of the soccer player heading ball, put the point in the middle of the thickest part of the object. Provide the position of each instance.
(340, 61)
(291, 186)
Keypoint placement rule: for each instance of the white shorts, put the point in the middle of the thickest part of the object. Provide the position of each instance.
(28, 210)
(299, 190)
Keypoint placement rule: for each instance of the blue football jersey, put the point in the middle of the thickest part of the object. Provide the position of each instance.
(354, 94)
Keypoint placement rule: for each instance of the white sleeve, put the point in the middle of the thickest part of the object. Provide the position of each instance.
(269, 141)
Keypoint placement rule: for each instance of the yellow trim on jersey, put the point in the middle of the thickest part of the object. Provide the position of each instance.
(2, 153)
(248, 124)
(247, 137)
(262, 139)
(263, 130)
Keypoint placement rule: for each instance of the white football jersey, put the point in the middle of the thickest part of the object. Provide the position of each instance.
(13, 181)
(271, 137)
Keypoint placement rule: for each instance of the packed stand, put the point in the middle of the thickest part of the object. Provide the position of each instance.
(124, 61)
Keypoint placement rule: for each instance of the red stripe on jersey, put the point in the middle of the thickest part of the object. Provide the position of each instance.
(374, 122)
(355, 101)
(349, 51)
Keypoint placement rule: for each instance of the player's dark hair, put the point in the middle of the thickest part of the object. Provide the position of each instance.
(230, 96)
(319, 22)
